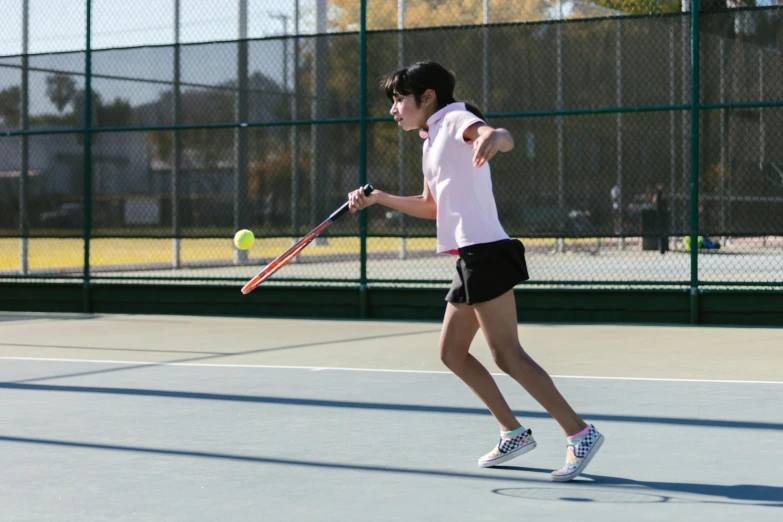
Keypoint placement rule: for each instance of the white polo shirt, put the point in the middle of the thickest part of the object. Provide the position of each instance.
(467, 214)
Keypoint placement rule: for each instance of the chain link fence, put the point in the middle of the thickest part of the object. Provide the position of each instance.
(210, 117)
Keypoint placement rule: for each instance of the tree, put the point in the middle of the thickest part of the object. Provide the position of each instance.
(10, 105)
(644, 6)
(61, 89)
(116, 114)
(78, 107)
(344, 16)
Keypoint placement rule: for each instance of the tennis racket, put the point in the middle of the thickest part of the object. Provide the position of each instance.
(292, 252)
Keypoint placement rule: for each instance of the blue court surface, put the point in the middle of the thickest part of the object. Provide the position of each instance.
(202, 419)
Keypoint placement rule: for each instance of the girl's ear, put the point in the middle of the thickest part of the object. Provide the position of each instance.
(428, 97)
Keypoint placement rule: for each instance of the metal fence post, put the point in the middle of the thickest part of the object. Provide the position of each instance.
(485, 55)
(619, 97)
(401, 7)
(560, 122)
(176, 153)
(762, 123)
(293, 131)
(320, 175)
(672, 140)
(694, 161)
(682, 212)
(25, 155)
(241, 133)
(363, 155)
(723, 116)
(87, 206)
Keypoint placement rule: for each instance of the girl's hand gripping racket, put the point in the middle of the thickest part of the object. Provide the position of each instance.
(292, 252)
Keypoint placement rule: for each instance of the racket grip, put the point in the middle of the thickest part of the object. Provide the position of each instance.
(343, 209)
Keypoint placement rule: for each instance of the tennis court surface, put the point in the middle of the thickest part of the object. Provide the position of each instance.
(201, 418)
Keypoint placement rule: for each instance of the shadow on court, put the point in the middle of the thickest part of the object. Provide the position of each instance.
(101, 349)
(750, 494)
(379, 406)
(18, 317)
(211, 355)
(267, 460)
(754, 494)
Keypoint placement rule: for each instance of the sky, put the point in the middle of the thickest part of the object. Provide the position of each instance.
(57, 26)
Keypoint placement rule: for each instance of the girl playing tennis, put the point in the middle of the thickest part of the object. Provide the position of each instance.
(457, 193)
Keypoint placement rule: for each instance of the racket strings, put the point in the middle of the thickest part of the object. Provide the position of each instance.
(292, 252)
(277, 264)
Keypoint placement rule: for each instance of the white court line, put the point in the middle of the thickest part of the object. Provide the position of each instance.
(325, 368)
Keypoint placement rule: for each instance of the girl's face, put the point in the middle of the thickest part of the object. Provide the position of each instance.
(407, 114)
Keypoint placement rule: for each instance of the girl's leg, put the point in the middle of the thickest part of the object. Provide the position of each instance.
(459, 327)
(498, 321)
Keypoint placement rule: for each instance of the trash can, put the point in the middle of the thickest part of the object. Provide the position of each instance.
(655, 234)
(649, 219)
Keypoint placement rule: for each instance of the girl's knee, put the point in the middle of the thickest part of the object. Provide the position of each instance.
(509, 359)
(501, 360)
(453, 359)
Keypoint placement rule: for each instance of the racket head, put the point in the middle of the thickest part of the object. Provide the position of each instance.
(275, 265)
(281, 260)
(292, 252)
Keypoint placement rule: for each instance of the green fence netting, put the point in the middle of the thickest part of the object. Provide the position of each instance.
(136, 139)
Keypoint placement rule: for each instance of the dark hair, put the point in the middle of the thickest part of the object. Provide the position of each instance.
(417, 78)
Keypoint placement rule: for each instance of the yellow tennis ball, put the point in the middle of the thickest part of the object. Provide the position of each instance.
(244, 239)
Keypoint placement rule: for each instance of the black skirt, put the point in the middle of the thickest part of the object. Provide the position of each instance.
(488, 270)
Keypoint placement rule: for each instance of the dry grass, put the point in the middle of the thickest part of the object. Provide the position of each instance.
(54, 254)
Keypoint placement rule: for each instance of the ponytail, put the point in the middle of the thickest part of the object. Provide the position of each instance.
(474, 109)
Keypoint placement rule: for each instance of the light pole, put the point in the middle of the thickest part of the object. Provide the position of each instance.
(284, 18)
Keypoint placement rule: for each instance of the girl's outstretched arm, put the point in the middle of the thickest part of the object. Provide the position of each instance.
(417, 206)
(487, 142)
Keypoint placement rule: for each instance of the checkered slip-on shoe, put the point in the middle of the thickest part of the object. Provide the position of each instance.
(508, 448)
(578, 455)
